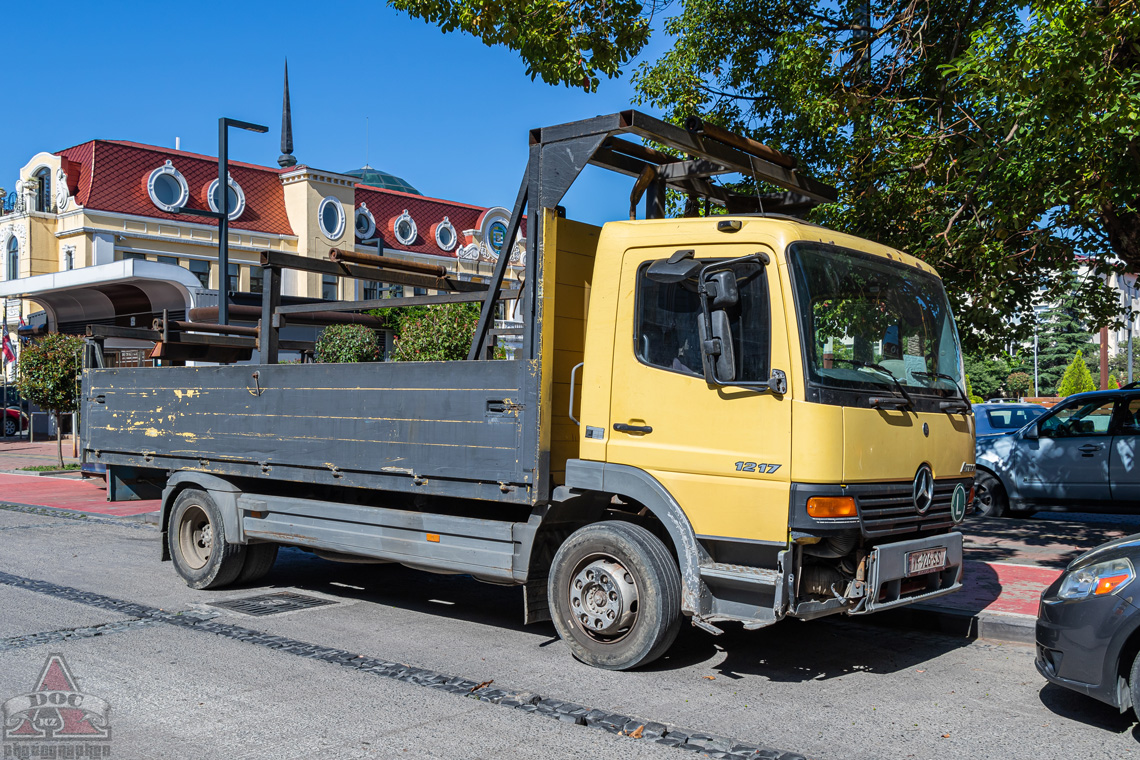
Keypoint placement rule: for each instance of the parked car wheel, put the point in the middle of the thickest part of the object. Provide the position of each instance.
(989, 496)
(615, 595)
(1134, 684)
(10, 427)
(196, 538)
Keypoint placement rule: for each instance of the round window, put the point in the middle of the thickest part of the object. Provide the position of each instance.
(404, 228)
(365, 223)
(235, 200)
(444, 234)
(331, 217)
(498, 236)
(167, 188)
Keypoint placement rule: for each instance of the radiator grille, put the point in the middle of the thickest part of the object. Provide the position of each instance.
(888, 510)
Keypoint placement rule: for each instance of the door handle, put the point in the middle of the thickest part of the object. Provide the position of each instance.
(1089, 448)
(621, 427)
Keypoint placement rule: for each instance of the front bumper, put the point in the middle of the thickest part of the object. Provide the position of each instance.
(888, 582)
(1079, 643)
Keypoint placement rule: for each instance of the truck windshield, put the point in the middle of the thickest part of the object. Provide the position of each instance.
(858, 310)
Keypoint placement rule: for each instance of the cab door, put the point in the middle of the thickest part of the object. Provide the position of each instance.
(722, 452)
(1124, 466)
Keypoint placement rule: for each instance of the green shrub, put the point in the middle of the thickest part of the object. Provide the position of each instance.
(343, 344)
(439, 333)
(1077, 378)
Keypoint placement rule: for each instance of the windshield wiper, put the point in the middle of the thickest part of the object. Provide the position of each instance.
(880, 368)
(947, 404)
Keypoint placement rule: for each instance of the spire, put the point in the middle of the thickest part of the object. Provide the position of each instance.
(286, 159)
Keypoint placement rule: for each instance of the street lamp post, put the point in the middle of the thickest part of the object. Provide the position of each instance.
(223, 214)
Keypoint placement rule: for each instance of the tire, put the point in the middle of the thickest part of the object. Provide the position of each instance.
(196, 538)
(10, 427)
(638, 619)
(1134, 684)
(259, 559)
(989, 496)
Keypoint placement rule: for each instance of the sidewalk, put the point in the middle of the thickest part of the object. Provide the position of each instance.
(89, 496)
(18, 453)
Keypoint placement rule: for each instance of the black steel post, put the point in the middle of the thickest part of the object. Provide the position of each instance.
(267, 339)
(223, 221)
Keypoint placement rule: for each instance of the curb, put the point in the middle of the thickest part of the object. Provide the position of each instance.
(990, 626)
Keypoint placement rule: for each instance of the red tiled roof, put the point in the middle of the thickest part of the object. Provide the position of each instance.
(386, 205)
(113, 176)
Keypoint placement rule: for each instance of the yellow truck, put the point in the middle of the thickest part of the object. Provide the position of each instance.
(720, 417)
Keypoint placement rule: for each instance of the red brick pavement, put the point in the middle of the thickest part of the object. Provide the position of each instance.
(68, 493)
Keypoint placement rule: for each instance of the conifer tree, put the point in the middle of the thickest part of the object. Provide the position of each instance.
(1077, 378)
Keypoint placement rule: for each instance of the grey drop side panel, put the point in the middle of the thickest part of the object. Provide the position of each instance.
(442, 427)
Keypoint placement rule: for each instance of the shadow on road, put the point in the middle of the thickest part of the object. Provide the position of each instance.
(1048, 543)
(790, 651)
(1069, 704)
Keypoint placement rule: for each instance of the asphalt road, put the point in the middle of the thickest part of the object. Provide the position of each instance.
(826, 689)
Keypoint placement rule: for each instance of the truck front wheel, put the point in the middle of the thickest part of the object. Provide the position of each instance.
(196, 538)
(615, 595)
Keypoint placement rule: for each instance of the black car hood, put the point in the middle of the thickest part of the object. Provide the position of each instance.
(1115, 548)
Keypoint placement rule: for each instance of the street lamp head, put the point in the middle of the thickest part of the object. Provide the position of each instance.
(248, 126)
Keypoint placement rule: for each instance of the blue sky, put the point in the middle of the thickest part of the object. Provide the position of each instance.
(445, 112)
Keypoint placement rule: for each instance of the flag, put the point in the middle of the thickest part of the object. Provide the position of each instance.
(9, 354)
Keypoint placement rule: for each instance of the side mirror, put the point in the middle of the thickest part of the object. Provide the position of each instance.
(722, 290)
(717, 355)
(1032, 432)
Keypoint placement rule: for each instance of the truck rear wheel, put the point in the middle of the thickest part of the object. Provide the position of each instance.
(259, 559)
(615, 595)
(196, 538)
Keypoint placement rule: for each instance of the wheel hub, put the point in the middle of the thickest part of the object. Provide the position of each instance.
(603, 597)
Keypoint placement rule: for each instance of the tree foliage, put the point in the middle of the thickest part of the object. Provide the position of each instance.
(1077, 378)
(341, 344)
(568, 42)
(437, 333)
(995, 142)
(1060, 334)
(1019, 384)
(48, 373)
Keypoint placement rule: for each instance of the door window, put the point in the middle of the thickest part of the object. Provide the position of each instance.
(1088, 419)
(667, 316)
(1129, 418)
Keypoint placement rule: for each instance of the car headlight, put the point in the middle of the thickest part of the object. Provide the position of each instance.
(1100, 579)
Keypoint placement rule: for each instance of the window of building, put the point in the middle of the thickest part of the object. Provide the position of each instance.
(365, 223)
(444, 234)
(369, 290)
(331, 217)
(167, 260)
(328, 287)
(233, 273)
(43, 191)
(201, 270)
(667, 318)
(256, 283)
(167, 188)
(404, 228)
(128, 255)
(419, 291)
(235, 200)
(13, 258)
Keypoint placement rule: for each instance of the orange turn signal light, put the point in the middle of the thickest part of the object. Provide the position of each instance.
(433, 537)
(1107, 585)
(831, 506)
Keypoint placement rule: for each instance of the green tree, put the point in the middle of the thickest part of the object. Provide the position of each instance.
(988, 374)
(940, 137)
(1077, 378)
(1113, 383)
(48, 374)
(1018, 384)
(340, 344)
(1060, 334)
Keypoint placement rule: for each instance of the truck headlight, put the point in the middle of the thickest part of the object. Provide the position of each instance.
(1097, 580)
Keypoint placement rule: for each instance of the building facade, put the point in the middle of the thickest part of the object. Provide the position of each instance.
(93, 233)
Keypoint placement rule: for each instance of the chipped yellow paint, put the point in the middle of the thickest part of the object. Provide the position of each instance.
(189, 393)
(152, 432)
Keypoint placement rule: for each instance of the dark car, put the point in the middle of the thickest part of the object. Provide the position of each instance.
(1082, 454)
(991, 419)
(1088, 625)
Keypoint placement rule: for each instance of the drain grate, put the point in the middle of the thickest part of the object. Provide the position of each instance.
(271, 604)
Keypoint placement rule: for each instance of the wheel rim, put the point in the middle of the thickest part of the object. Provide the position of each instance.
(195, 537)
(603, 598)
(984, 498)
(9, 426)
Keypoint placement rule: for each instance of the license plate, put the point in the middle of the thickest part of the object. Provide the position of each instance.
(926, 561)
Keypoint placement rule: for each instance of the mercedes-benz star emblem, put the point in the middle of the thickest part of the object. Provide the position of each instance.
(923, 489)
